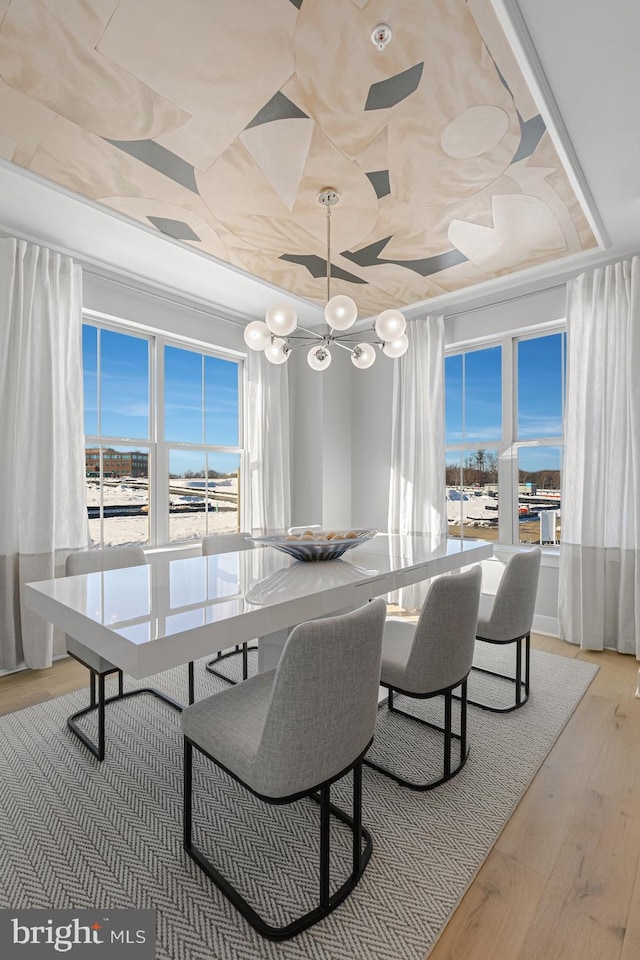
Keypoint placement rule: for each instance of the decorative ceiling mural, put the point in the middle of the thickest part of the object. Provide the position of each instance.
(217, 124)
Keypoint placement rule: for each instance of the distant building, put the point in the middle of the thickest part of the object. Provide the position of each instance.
(116, 463)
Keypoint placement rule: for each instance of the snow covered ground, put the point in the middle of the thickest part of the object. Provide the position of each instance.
(477, 509)
(222, 516)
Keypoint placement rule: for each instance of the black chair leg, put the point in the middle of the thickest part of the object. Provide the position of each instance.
(463, 721)
(521, 687)
(446, 730)
(101, 680)
(188, 782)
(191, 682)
(357, 816)
(325, 851)
(447, 735)
(327, 901)
(241, 650)
(100, 701)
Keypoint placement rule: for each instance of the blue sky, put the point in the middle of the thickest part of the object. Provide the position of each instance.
(478, 419)
(201, 397)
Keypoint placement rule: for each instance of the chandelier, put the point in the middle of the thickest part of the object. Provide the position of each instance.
(275, 335)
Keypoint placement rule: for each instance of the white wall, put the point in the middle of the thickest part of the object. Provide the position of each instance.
(521, 313)
(372, 397)
(119, 299)
(321, 441)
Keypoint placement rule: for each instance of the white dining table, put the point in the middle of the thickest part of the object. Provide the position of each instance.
(150, 618)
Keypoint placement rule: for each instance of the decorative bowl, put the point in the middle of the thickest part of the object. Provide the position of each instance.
(316, 546)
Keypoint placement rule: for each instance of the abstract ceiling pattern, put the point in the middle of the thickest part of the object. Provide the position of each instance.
(217, 123)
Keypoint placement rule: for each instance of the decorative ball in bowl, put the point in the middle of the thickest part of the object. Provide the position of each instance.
(311, 545)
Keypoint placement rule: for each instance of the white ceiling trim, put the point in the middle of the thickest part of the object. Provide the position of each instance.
(515, 27)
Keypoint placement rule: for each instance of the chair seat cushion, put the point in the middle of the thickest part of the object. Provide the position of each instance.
(90, 659)
(396, 647)
(229, 724)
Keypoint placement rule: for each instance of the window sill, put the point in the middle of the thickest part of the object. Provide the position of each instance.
(550, 554)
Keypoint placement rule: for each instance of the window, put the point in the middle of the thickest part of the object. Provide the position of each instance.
(163, 438)
(539, 441)
(473, 410)
(504, 439)
(201, 424)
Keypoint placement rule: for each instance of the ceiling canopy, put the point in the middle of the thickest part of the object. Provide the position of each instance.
(218, 123)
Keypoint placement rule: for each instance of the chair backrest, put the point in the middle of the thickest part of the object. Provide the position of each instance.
(445, 635)
(91, 561)
(324, 701)
(225, 543)
(513, 608)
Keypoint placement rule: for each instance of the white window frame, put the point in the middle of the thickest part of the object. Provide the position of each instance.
(159, 448)
(509, 445)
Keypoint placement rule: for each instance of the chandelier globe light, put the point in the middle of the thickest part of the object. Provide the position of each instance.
(395, 348)
(281, 319)
(319, 358)
(341, 312)
(275, 335)
(277, 351)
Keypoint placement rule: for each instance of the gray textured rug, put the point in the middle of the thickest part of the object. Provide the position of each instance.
(75, 833)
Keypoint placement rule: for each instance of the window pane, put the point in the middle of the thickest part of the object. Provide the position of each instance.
(483, 394)
(472, 493)
(124, 385)
(224, 478)
(221, 402)
(117, 495)
(540, 384)
(539, 502)
(90, 378)
(182, 395)
(453, 398)
(187, 494)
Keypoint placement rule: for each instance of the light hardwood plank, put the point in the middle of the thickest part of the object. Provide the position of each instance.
(28, 687)
(631, 943)
(534, 833)
(618, 673)
(584, 910)
(492, 920)
(617, 772)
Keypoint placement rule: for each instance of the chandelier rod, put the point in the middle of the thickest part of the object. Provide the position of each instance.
(312, 333)
(328, 251)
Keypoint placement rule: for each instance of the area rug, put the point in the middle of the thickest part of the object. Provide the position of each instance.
(75, 833)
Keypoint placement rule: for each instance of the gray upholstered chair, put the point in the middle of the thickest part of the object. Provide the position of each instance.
(292, 732)
(434, 657)
(92, 561)
(228, 543)
(508, 619)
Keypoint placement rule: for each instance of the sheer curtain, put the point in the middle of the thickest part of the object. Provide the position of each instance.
(42, 480)
(599, 581)
(417, 488)
(268, 444)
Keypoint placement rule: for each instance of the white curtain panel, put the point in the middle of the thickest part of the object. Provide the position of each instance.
(417, 495)
(599, 581)
(42, 481)
(268, 444)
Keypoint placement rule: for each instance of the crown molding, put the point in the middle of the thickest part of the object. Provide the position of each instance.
(517, 33)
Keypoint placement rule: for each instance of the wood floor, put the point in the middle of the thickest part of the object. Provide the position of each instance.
(562, 881)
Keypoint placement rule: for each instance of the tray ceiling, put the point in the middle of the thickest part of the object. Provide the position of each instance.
(217, 124)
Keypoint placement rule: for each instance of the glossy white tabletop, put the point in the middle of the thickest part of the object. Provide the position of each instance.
(149, 618)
